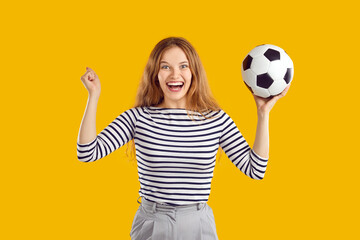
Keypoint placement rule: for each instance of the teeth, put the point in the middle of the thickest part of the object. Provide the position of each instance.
(175, 84)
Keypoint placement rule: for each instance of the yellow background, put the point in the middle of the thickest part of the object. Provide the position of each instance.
(311, 186)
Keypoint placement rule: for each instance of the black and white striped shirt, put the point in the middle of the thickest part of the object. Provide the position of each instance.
(175, 154)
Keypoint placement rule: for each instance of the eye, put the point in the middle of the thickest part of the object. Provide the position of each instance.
(184, 66)
(164, 67)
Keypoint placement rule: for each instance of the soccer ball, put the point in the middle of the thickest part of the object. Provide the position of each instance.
(267, 70)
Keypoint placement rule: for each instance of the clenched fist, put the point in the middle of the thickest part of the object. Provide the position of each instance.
(91, 82)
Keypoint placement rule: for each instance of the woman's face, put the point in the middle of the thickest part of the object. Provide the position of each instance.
(174, 77)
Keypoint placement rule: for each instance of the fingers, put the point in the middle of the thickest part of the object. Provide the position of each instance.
(274, 99)
(287, 88)
(283, 93)
(90, 74)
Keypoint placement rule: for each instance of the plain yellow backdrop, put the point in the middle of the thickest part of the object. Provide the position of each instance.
(311, 186)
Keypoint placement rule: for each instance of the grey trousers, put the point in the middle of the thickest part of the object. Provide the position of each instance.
(161, 222)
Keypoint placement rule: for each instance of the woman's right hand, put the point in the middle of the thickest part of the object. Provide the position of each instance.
(91, 82)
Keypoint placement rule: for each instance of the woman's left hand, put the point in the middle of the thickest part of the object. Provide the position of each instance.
(264, 105)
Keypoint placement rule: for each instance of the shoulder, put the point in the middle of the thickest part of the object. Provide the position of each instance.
(146, 111)
(133, 112)
(225, 116)
(214, 113)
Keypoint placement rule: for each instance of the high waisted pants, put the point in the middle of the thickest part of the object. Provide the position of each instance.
(161, 222)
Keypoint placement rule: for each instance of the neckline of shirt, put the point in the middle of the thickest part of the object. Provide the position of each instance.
(185, 111)
(167, 108)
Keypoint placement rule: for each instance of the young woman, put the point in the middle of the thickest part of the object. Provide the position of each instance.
(177, 128)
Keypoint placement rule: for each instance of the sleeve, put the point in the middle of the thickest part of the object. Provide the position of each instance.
(116, 134)
(239, 151)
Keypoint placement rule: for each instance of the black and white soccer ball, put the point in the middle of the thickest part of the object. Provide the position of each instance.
(267, 70)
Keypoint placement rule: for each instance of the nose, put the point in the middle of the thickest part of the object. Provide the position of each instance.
(175, 74)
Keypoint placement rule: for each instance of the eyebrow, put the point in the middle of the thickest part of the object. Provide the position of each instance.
(179, 63)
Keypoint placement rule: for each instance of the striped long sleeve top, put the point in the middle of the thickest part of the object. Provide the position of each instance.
(175, 154)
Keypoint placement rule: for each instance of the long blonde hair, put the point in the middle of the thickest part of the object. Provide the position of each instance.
(199, 97)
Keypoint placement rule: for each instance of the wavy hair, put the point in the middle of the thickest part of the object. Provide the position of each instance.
(199, 97)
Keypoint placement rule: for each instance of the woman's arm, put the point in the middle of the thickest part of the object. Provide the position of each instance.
(87, 132)
(261, 143)
(119, 132)
(239, 152)
(92, 146)
(91, 81)
(252, 162)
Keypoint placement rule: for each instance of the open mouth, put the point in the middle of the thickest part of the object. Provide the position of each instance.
(175, 86)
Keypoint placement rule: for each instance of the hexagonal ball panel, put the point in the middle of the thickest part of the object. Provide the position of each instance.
(261, 92)
(249, 77)
(277, 87)
(258, 51)
(277, 70)
(260, 65)
(286, 60)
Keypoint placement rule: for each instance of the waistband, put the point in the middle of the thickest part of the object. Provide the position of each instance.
(155, 206)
